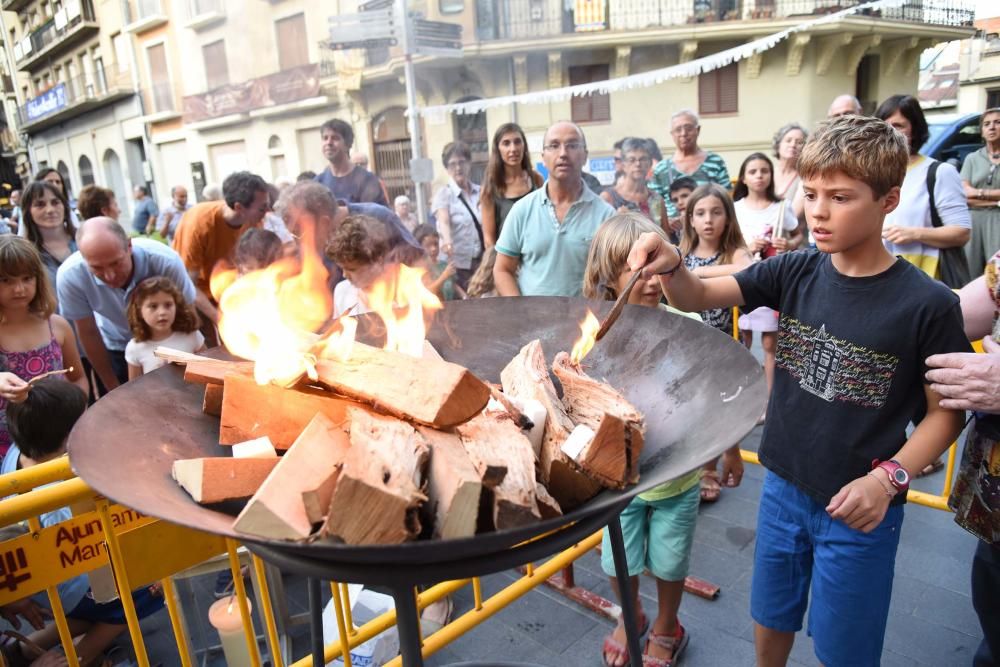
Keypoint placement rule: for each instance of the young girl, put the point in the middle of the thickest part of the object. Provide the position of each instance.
(713, 246)
(33, 339)
(440, 275)
(769, 227)
(159, 315)
(658, 525)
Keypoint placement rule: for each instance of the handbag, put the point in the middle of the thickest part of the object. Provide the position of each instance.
(952, 264)
(777, 232)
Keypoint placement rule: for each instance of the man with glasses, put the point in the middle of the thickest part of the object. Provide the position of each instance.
(94, 285)
(542, 249)
(211, 230)
(688, 160)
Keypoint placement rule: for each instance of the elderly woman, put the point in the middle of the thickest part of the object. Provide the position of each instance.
(630, 192)
(911, 230)
(972, 382)
(982, 187)
(788, 143)
(456, 207)
(404, 211)
(688, 160)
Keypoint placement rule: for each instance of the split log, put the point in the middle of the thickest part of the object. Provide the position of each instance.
(548, 507)
(612, 455)
(526, 377)
(214, 371)
(427, 391)
(491, 439)
(250, 410)
(378, 492)
(216, 480)
(307, 473)
(254, 449)
(453, 485)
(212, 403)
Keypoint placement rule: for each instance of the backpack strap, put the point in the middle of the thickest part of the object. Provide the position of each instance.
(931, 181)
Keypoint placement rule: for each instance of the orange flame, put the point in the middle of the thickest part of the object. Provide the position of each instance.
(588, 328)
(401, 300)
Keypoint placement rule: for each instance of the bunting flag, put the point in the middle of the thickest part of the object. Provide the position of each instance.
(681, 71)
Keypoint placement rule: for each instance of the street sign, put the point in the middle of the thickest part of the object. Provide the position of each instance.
(422, 170)
(364, 30)
(437, 38)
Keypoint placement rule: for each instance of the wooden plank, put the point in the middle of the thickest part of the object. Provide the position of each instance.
(216, 480)
(453, 485)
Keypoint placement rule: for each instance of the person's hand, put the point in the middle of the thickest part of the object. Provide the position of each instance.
(449, 271)
(29, 610)
(676, 224)
(861, 504)
(732, 467)
(448, 250)
(654, 249)
(51, 658)
(13, 388)
(780, 244)
(901, 235)
(967, 381)
(759, 244)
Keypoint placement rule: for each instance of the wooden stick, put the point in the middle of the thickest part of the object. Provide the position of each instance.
(38, 378)
(181, 357)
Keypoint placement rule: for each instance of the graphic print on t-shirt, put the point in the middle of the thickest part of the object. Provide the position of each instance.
(832, 368)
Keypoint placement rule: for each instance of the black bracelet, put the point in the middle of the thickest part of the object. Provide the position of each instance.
(680, 261)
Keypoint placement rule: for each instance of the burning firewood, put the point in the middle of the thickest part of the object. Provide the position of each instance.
(378, 491)
(216, 480)
(453, 485)
(612, 454)
(214, 371)
(304, 478)
(494, 443)
(424, 390)
(526, 377)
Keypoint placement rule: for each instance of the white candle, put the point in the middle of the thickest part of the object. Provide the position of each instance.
(224, 615)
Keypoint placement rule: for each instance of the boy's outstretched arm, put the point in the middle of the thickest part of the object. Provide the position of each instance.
(684, 290)
(862, 504)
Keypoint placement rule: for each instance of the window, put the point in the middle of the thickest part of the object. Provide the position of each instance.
(993, 98)
(451, 6)
(594, 108)
(159, 76)
(121, 45)
(216, 67)
(293, 47)
(718, 90)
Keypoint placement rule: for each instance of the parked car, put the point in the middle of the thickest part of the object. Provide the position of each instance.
(952, 137)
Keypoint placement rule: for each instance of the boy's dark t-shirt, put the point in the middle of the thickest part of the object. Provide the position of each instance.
(849, 373)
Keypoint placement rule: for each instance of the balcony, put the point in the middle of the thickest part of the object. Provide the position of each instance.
(203, 13)
(161, 102)
(72, 25)
(77, 96)
(143, 15)
(14, 5)
(531, 19)
(287, 91)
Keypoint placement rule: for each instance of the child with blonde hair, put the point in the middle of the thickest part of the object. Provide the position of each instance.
(658, 526)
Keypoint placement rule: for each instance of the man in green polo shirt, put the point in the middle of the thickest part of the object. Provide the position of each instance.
(542, 249)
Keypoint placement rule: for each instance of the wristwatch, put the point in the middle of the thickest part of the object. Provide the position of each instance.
(898, 477)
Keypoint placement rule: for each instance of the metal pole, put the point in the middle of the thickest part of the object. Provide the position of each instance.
(316, 621)
(416, 142)
(629, 619)
(408, 625)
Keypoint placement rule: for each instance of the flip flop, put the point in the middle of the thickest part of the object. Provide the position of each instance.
(674, 644)
(616, 648)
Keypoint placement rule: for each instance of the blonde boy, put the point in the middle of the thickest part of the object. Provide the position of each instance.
(856, 326)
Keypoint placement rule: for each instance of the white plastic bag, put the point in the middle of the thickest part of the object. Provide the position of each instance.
(365, 605)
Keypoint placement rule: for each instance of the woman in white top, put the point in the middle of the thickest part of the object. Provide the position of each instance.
(456, 207)
(908, 231)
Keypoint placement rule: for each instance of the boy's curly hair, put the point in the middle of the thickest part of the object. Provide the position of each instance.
(865, 149)
(185, 317)
(359, 240)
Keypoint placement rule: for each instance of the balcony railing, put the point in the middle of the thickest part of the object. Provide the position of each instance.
(525, 19)
(143, 14)
(57, 33)
(92, 88)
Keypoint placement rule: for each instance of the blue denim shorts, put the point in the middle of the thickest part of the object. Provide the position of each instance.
(799, 546)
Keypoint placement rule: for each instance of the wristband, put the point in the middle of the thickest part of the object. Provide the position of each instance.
(680, 261)
(881, 483)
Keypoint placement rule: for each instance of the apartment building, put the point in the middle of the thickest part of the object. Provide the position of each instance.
(979, 68)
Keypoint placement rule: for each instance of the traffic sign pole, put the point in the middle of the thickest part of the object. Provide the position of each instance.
(416, 143)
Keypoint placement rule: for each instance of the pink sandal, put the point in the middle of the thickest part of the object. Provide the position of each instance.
(616, 649)
(675, 645)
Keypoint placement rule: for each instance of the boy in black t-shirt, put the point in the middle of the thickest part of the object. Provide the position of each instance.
(856, 326)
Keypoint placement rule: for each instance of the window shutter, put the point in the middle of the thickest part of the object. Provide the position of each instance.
(293, 45)
(718, 90)
(590, 108)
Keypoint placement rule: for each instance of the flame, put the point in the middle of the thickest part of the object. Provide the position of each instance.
(279, 316)
(588, 328)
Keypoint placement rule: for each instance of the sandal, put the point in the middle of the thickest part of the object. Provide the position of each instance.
(616, 649)
(931, 468)
(711, 487)
(675, 644)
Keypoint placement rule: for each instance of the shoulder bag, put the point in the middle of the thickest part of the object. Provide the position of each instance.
(953, 266)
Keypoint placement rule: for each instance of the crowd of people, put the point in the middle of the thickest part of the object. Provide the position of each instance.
(848, 233)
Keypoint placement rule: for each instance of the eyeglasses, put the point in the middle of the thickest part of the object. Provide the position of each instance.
(685, 129)
(637, 160)
(570, 146)
(457, 164)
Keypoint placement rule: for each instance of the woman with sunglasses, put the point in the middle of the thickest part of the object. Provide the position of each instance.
(982, 186)
(630, 192)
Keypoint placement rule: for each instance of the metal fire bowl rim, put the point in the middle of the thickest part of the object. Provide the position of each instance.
(145, 447)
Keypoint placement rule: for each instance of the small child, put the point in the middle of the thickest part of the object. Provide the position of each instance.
(680, 191)
(441, 275)
(360, 246)
(856, 327)
(40, 426)
(481, 283)
(257, 249)
(713, 246)
(765, 220)
(159, 316)
(658, 526)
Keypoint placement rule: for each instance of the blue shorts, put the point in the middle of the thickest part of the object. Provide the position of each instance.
(112, 612)
(658, 535)
(850, 572)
